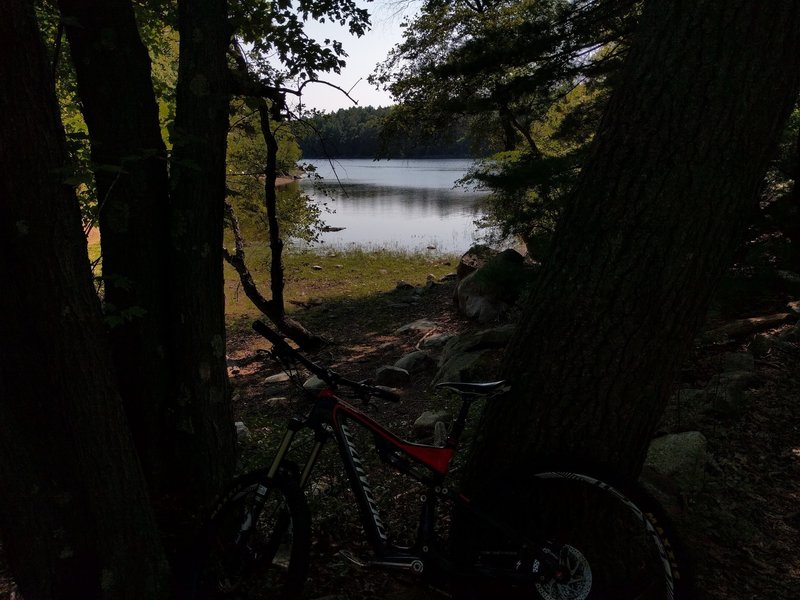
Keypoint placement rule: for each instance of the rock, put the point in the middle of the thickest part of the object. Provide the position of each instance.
(316, 267)
(738, 361)
(314, 384)
(488, 293)
(431, 247)
(415, 361)
(277, 378)
(403, 285)
(448, 277)
(497, 337)
(761, 345)
(680, 457)
(469, 366)
(392, 377)
(277, 401)
(469, 357)
(473, 259)
(437, 341)
(242, 432)
(339, 266)
(425, 425)
(418, 326)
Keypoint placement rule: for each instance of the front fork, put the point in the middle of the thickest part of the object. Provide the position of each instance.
(262, 491)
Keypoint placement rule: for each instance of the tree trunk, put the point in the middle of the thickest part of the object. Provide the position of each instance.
(74, 515)
(120, 109)
(204, 439)
(675, 169)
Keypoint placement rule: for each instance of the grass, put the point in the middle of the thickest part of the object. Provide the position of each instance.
(344, 274)
(335, 274)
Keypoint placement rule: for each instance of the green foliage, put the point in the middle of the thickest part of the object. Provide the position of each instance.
(527, 188)
(527, 76)
(367, 132)
(277, 29)
(247, 155)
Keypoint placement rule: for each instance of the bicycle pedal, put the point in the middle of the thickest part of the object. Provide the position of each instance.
(353, 558)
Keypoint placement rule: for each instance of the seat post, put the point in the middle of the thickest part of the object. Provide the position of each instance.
(461, 420)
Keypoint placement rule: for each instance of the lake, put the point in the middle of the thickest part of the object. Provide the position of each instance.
(396, 204)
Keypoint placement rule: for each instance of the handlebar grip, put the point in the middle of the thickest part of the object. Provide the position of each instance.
(280, 346)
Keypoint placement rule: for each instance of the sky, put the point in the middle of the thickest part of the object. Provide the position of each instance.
(363, 54)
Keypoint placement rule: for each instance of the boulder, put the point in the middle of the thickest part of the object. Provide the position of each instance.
(415, 362)
(473, 259)
(489, 292)
(242, 432)
(314, 384)
(392, 377)
(471, 357)
(418, 326)
(425, 425)
(436, 341)
(277, 378)
(681, 458)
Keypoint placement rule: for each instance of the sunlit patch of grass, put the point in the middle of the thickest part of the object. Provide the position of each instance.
(333, 274)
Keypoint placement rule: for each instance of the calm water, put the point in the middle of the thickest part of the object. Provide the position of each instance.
(407, 204)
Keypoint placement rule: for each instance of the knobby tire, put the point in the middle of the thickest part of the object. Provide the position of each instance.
(274, 560)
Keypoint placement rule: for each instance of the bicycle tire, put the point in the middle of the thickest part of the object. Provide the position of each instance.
(273, 560)
(618, 537)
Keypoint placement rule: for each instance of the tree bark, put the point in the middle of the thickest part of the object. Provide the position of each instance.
(204, 442)
(119, 105)
(675, 169)
(74, 514)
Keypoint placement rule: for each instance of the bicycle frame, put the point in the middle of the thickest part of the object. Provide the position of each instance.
(424, 463)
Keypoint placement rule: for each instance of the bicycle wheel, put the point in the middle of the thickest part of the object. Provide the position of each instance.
(613, 544)
(257, 554)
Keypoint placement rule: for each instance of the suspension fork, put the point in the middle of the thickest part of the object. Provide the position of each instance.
(250, 519)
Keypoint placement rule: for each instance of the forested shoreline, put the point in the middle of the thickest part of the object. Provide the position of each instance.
(359, 132)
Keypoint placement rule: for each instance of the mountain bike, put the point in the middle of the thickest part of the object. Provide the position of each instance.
(581, 538)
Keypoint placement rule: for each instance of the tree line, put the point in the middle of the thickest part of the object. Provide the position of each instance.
(363, 132)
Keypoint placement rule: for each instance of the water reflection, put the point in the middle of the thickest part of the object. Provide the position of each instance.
(400, 204)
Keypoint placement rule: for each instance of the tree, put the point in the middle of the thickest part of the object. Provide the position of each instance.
(119, 106)
(672, 176)
(77, 517)
(532, 75)
(74, 513)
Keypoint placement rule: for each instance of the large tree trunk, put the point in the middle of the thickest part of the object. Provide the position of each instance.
(204, 440)
(120, 109)
(74, 515)
(675, 170)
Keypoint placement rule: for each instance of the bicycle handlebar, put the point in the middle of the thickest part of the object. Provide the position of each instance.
(327, 375)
